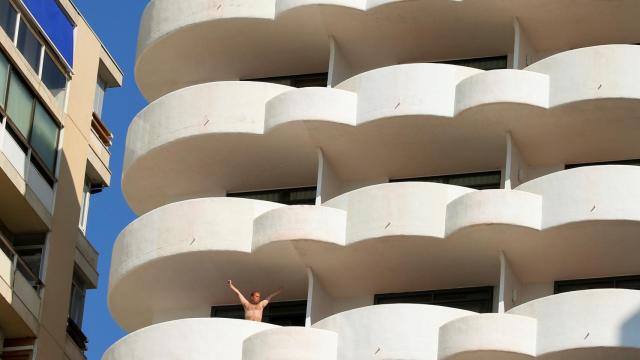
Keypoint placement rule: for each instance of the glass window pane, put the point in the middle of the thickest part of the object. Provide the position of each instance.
(8, 16)
(44, 139)
(29, 46)
(54, 78)
(99, 98)
(4, 75)
(20, 104)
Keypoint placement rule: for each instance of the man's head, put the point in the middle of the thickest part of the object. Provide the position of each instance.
(255, 297)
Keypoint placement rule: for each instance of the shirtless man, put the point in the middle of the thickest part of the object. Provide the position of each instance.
(253, 308)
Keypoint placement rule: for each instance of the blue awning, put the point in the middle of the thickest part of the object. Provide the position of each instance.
(56, 25)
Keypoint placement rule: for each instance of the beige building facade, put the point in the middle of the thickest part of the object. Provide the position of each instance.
(428, 179)
(54, 154)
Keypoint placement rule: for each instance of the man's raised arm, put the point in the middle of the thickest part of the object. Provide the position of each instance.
(268, 299)
(243, 300)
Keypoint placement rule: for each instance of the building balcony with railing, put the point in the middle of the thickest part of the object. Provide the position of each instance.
(474, 198)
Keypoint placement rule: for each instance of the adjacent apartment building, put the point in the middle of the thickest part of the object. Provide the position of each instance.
(427, 179)
(54, 154)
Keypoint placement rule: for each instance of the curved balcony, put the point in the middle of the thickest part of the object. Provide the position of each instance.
(175, 261)
(488, 336)
(196, 339)
(222, 137)
(390, 234)
(593, 324)
(291, 343)
(198, 41)
(399, 331)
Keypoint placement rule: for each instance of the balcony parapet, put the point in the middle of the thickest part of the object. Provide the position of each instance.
(406, 228)
(582, 324)
(195, 40)
(410, 111)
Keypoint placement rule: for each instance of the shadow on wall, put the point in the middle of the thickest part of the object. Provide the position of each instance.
(630, 332)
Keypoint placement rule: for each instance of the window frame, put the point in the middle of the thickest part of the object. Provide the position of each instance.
(46, 48)
(448, 177)
(630, 162)
(405, 297)
(280, 193)
(24, 142)
(614, 280)
(278, 308)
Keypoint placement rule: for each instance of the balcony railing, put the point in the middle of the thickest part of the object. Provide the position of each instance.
(75, 333)
(18, 264)
(101, 130)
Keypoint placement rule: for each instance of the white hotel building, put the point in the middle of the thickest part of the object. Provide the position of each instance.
(428, 179)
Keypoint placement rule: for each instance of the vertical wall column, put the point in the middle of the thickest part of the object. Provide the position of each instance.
(339, 67)
(516, 166)
(318, 300)
(523, 52)
(329, 184)
(1, 341)
(510, 286)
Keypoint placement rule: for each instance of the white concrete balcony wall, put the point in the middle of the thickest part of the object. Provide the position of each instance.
(488, 336)
(400, 331)
(291, 343)
(195, 339)
(593, 324)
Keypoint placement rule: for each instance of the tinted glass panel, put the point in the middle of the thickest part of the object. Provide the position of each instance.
(20, 104)
(8, 16)
(298, 81)
(622, 282)
(473, 299)
(55, 24)
(285, 313)
(635, 162)
(53, 78)
(296, 196)
(44, 139)
(29, 46)
(98, 101)
(478, 181)
(4, 76)
(490, 63)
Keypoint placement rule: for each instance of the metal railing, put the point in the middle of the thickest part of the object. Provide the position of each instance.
(18, 264)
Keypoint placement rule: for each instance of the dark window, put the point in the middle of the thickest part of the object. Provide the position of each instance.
(30, 123)
(635, 162)
(478, 181)
(488, 63)
(285, 313)
(621, 282)
(76, 310)
(29, 46)
(294, 196)
(298, 81)
(8, 16)
(54, 78)
(478, 300)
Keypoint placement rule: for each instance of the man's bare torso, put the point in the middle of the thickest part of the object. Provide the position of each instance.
(254, 312)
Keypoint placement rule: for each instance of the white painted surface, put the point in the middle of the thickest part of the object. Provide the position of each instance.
(488, 336)
(502, 86)
(400, 331)
(41, 188)
(588, 193)
(410, 208)
(14, 153)
(291, 343)
(494, 207)
(196, 339)
(605, 318)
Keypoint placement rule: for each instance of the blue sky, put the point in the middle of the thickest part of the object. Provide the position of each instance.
(116, 23)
